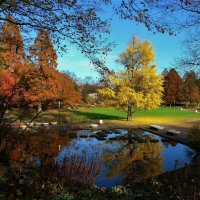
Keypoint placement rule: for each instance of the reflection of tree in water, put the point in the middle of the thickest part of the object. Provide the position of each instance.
(44, 148)
(135, 162)
(166, 143)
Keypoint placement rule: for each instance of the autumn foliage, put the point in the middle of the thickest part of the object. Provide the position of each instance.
(138, 86)
(32, 80)
(181, 89)
(172, 87)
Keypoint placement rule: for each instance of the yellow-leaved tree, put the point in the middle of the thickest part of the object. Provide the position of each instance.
(138, 86)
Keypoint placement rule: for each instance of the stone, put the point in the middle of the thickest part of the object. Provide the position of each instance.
(93, 125)
(100, 138)
(156, 127)
(100, 121)
(93, 135)
(101, 134)
(173, 132)
(154, 140)
(83, 136)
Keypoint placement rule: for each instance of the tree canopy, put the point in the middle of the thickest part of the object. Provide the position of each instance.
(190, 88)
(172, 87)
(76, 22)
(80, 22)
(138, 86)
(163, 16)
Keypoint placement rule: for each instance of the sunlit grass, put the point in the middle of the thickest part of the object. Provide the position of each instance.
(164, 115)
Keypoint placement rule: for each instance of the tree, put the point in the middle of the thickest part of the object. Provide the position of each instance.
(170, 17)
(63, 17)
(172, 87)
(78, 22)
(135, 162)
(42, 53)
(160, 15)
(44, 88)
(13, 55)
(190, 58)
(88, 88)
(13, 69)
(42, 82)
(137, 87)
(68, 93)
(138, 54)
(47, 85)
(190, 90)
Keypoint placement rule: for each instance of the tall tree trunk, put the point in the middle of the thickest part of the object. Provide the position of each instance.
(127, 117)
(129, 112)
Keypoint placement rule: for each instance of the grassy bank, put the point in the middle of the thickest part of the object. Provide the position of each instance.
(164, 115)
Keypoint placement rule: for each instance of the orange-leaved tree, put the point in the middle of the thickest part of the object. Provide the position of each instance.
(12, 54)
(172, 87)
(190, 89)
(48, 85)
(42, 51)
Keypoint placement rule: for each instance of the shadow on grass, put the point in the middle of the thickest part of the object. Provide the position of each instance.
(93, 116)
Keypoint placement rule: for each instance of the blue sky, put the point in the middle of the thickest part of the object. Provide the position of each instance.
(166, 48)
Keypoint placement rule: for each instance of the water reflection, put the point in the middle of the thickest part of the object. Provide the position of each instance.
(105, 158)
(44, 147)
(135, 162)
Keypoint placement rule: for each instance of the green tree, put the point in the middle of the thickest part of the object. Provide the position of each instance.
(138, 86)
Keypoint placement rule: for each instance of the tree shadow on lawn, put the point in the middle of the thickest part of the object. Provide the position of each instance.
(94, 116)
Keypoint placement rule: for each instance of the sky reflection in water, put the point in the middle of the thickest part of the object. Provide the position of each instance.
(121, 162)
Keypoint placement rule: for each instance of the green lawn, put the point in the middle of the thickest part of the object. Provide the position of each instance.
(161, 115)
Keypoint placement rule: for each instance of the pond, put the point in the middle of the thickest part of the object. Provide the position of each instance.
(109, 158)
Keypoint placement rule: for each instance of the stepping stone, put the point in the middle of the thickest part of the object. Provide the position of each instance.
(38, 124)
(45, 124)
(122, 137)
(30, 124)
(101, 134)
(93, 135)
(100, 138)
(139, 140)
(93, 125)
(107, 131)
(114, 138)
(156, 127)
(72, 136)
(154, 140)
(116, 131)
(173, 132)
(53, 123)
(83, 136)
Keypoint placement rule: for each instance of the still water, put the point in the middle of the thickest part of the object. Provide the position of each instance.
(106, 162)
(98, 158)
